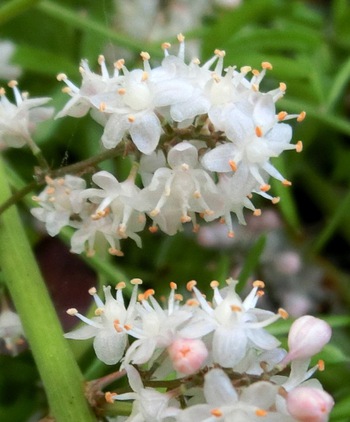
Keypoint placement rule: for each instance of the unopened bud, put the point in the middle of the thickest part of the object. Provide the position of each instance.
(308, 404)
(187, 355)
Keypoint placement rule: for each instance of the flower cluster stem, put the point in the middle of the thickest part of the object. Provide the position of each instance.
(62, 379)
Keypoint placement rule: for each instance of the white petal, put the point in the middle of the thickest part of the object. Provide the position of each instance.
(109, 346)
(145, 132)
(218, 389)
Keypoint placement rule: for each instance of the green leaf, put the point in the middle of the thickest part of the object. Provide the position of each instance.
(251, 261)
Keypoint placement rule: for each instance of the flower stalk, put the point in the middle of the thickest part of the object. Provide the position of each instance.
(62, 379)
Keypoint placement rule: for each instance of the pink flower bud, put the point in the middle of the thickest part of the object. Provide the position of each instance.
(187, 355)
(308, 404)
(307, 336)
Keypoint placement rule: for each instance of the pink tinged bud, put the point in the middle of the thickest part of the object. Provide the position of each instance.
(308, 404)
(307, 336)
(187, 355)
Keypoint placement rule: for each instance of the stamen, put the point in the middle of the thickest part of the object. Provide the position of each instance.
(119, 64)
(173, 285)
(220, 53)
(180, 38)
(266, 65)
(301, 116)
(261, 412)
(265, 187)
(148, 293)
(231, 234)
(192, 302)
(121, 285)
(282, 115)
(134, 281)
(233, 165)
(283, 86)
(121, 91)
(259, 284)
(275, 200)
(257, 212)
(110, 396)
(190, 285)
(61, 77)
(283, 313)
(216, 412)
(178, 297)
(72, 311)
(116, 252)
(92, 291)
(236, 308)
(258, 132)
(286, 183)
(165, 45)
(299, 146)
(131, 118)
(214, 284)
(321, 365)
(144, 55)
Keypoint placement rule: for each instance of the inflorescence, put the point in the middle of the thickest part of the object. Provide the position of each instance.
(200, 136)
(215, 360)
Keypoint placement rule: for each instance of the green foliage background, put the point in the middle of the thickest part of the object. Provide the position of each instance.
(308, 44)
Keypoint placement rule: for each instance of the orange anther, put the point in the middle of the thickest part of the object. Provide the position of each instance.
(258, 132)
(214, 284)
(233, 165)
(110, 396)
(266, 65)
(282, 115)
(286, 183)
(265, 187)
(301, 116)
(216, 412)
(299, 146)
(190, 285)
(258, 283)
(173, 285)
(261, 412)
(283, 313)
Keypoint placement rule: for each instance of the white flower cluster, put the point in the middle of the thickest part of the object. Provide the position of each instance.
(18, 121)
(217, 357)
(202, 138)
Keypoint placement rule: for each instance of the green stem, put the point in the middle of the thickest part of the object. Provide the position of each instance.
(62, 379)
(14, 8)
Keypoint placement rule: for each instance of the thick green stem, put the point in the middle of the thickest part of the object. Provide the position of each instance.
(62, 379)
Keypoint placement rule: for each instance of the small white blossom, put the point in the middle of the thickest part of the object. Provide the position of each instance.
(18, 121)
(108, 326)
(59, 201)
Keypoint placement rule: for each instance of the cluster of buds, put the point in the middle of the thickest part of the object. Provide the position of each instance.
(200, 138)
(215, 359)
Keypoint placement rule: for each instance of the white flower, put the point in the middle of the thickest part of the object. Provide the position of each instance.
(117, 201)
(92, 85)
(108, 326)
(149, 404)
(18, 121)
(224, 404)
(11, 330)
(156, 327)
(7, 70)
(175, 194)
(58, 202)
(237, 325)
